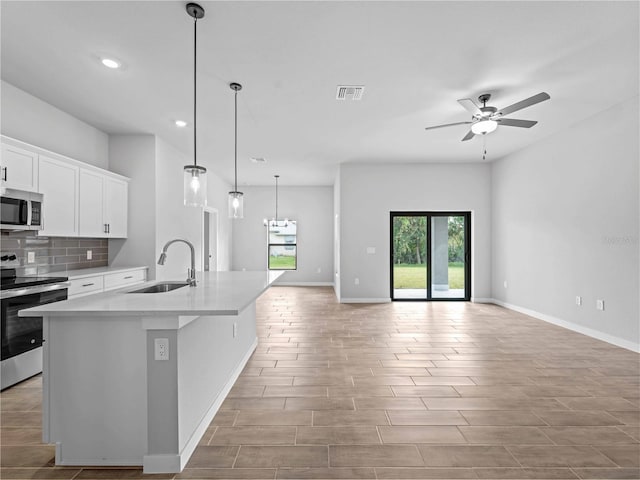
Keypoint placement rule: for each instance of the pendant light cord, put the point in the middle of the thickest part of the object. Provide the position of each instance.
(277, 199)
(236, 144)
(195, 43)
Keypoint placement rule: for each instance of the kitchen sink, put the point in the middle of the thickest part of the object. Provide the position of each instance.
(160, 287)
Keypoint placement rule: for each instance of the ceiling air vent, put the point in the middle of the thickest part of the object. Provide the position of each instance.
(258, 160)
(349, 92)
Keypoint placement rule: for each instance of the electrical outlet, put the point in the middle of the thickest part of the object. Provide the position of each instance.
(31, 257)
(600, 304)
(89, 254)
(235, 329)
(161, 348)
(371, 250)
(578, 300)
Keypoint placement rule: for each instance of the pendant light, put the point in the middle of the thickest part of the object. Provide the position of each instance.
(236, 203)
(274, 222)
(195, 176)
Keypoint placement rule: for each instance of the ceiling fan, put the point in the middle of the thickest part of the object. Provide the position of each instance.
(486, 118)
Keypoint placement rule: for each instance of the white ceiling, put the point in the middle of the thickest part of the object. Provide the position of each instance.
(415, 59)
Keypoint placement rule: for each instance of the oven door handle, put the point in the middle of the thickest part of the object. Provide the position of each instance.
(19, 292)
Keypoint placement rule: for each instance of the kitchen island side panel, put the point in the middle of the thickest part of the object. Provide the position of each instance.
(209, 354)
(95, 390)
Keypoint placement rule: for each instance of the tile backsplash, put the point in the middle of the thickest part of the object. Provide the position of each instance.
(54, 254)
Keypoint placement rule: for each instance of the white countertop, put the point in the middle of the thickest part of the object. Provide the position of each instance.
(90, 272)
(217, 293)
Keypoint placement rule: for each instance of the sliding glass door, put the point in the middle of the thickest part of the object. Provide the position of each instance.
(430, 256)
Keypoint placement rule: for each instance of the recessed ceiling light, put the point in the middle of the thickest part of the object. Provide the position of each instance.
(110, 63)
(181, 123)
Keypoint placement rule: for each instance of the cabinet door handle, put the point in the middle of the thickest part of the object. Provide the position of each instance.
(105, 228)
(108, 228)
(128, 277)
(4, 174)
(87, 284)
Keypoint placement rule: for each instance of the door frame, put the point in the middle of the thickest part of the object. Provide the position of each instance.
(213, 215)
(467, 254)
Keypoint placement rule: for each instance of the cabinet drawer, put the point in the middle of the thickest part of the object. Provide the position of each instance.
(115, 280)
(81, 286)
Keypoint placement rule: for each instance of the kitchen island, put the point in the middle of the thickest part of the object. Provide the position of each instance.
(136, 378)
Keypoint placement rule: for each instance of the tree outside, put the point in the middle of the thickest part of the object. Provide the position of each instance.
(410, 251)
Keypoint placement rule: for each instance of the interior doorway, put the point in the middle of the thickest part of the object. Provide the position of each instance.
(430, 255)
(210, 239)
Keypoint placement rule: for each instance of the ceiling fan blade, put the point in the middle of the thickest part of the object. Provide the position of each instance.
(468, 136)
(512, 122)
(470, 106)
(541, 97)
(447, 125)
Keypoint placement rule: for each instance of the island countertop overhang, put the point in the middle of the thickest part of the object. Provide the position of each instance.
(217, 293)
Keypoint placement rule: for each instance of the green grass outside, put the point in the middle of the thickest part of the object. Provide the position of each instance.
(414, 276)
(282, 263)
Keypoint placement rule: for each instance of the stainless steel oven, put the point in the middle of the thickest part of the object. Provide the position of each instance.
(22, 336)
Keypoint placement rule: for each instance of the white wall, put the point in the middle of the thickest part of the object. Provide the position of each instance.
(566, 222)
(369, 192)
(27, 118)
(311, 207)
(156, 210)
(135, 157)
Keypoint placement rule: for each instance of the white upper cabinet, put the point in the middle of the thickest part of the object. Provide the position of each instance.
(91, 193)
(59, 185)
(103, 205)
(80, 200)
(116, 193)
(19, 168)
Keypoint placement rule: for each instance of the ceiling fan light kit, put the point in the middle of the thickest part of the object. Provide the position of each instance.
(486, 119)
(484, 126)
(195, 176)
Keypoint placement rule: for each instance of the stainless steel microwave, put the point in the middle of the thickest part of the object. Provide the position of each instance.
(21, 210)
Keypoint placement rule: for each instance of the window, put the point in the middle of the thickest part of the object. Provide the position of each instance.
(283, 248)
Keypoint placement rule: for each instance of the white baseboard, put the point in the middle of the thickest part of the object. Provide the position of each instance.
(482, 300)
(302, 284)
(365, 300)
(176, 463)
(590, 332)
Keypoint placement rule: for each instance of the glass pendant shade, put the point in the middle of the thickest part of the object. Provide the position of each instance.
(236, 205)
(195, 186)
(484, 126)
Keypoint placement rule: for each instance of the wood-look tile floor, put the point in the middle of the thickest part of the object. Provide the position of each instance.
(393, 391)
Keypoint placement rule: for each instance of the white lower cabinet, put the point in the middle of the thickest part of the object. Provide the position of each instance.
(105, 281)
(59, 185)
(117, 280)
(85, 286)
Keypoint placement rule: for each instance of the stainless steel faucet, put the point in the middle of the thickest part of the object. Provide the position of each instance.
(191, 272)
